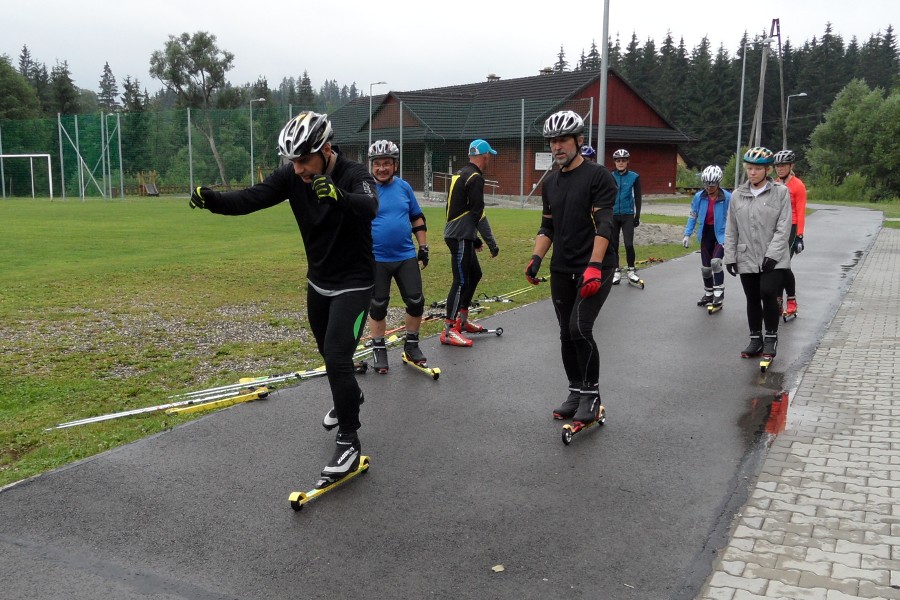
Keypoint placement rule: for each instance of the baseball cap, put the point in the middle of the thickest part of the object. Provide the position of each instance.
(479, 147)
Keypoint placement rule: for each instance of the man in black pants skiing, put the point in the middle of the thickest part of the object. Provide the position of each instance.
(577, 220)
(334, 201)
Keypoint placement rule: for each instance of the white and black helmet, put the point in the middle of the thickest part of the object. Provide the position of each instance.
(785, 157)
(384, 149)
(621, 153)
(304, 134)
(711, 175)
(564, 122)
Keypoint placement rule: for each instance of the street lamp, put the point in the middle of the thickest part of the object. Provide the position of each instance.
(252, 167)
(787, 114)
(370, 110)
(737, 152)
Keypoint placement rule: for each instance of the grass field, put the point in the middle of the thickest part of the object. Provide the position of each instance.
(114, 305)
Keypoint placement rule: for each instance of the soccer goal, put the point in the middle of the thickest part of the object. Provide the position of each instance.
(30, 157)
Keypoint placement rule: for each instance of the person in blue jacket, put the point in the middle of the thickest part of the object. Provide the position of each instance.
(626, 212)
(709, 211)
(398, 221)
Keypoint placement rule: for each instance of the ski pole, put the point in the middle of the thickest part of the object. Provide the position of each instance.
(223, 403)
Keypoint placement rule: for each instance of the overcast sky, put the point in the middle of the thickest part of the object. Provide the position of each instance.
(410, 45)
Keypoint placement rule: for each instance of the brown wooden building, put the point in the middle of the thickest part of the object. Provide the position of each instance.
(438, 124)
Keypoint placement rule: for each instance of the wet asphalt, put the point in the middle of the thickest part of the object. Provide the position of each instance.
(468, 473)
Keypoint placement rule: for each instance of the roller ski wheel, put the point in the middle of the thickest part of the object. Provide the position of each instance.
(422, 367)
(765, 362)
(498, 331)
(324, 485)
(638, 283)
(570, 431)
(714, 308)
(788, 315)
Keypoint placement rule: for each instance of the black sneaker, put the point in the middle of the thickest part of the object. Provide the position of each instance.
(346, 457)
(411, 349)
(755, 347)
(706, 299)
(588, 407)
(770, 343)
(568, 408)
(331, 421)
(379, 350)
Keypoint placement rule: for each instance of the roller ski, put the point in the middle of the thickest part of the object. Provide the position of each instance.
(633, 279)
(790, 310)
(346, 464)
(590, 412)
(413, 357)
(717, 302)
(770, 345)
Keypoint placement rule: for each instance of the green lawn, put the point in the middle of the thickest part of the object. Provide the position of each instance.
(114, 305)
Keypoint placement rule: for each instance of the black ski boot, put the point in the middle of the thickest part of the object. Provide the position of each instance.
(331, 421)
(718, 296)
(588, 407)
(345, 460)
(411, 349)
(569, 407)
(707, 298)
(379, 351)
(755, 347)
(770, 344)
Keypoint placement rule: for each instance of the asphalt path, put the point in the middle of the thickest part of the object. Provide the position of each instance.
(468, 473)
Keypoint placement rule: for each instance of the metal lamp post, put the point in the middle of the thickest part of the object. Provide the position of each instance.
(370, 110)
(252, 166)
(787, 114)
(737, 152)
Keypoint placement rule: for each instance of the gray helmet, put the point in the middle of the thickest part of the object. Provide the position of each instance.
(785, 157)
(711, 175)
(621, 153)
(304, 134)
(384, 149)
(564, 122)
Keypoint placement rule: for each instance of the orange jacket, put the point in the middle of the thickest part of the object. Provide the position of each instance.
(798, 201)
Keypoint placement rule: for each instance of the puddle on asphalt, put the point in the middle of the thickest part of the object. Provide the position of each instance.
(857, 256)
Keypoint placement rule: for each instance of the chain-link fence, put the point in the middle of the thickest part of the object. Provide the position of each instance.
(167, 152)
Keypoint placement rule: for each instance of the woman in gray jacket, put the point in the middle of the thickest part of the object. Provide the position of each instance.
(756, 247)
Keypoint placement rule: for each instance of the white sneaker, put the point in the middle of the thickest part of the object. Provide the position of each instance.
(617, 276)
(632, 276)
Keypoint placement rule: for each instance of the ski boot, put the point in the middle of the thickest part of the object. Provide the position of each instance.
(451, 335)
(755, 347)
(717, 302)
(617, 276)
(463, 324)
(379, 352)
(790, 311)
(299, 499)
(633, 278)
(413, 357)
(590, 412)
(345, 460)
(569, 407)
(331, 421)
(707, 297)
(770, 345)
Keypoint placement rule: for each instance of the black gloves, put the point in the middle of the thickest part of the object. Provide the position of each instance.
(768, 264)
(798, 244)
(422, 257)
(324, 189)
(201, 195)
(477, 243)
(637, 220)
(495, 251)
(732, 269)
(531, 271)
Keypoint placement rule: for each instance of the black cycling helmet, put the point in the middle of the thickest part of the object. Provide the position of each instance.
(785, 157)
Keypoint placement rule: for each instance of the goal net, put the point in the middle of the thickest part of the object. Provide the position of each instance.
(6, 158)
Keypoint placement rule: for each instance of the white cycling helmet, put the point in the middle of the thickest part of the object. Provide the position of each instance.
(304, 134)
(785, 157)
(711, 175)
(564, 122)
(621, 153)
(384, 149)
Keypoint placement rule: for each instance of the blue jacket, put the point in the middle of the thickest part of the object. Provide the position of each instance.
(628, 196)
(699, 206)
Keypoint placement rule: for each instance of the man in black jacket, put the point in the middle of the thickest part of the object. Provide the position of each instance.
(334, 201)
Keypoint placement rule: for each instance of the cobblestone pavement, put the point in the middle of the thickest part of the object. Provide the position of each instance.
(823, 520)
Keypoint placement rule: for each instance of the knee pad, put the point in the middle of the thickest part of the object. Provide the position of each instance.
(378, 308)
(415, 307)
(707, 272)
(716, 265)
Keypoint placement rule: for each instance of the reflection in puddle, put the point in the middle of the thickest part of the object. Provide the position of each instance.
(767, 417)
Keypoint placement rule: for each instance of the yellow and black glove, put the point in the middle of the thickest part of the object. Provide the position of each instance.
(325, 190)
(201, 196)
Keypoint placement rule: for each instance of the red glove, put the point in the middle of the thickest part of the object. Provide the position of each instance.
(590, 280)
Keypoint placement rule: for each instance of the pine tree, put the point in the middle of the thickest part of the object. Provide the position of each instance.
(306, 96)
(561, 64)
(132, 100)
(63, 91)
(593, 60)
(26, 63)
(109, 91)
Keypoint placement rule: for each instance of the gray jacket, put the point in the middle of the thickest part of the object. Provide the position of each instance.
(757, 227)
